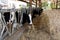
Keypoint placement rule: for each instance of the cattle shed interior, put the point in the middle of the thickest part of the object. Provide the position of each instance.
(29, 19)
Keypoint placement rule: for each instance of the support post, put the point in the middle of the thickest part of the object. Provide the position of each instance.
(40, 5)
(36, 3)
(56, 4)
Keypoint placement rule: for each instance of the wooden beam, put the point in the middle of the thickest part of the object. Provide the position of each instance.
(40, 3)
(27, 2)
(30, 3)
(36, 3)
(56, 4)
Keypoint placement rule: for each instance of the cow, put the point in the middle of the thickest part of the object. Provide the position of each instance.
(27, 17)
(36, 11)
(9, 16)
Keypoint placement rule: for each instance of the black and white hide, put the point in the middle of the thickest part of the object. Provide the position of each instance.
(26, 16)
(29, 15)
(36, 11)
(16, 14)
(9, 16)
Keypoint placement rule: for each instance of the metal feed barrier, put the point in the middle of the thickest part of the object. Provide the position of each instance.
(4, 31)
(4, 28)
(3, 25)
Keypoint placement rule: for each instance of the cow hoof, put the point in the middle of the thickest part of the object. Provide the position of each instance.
(30, 23)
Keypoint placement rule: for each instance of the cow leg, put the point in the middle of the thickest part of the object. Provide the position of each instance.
(30, 17)
(31, 26)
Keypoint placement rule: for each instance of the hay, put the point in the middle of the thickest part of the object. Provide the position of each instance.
(49, 23)
(37, 35)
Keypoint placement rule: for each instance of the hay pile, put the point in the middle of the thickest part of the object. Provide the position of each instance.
(37, 35)
(49, 23)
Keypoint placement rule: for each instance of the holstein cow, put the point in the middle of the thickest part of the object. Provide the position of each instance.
(36, 11)
(26, 16)
(9, 17)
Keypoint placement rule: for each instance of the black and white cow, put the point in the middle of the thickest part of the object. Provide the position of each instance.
(27, 16)
(36, 11)
(24, 16)
(9, 16)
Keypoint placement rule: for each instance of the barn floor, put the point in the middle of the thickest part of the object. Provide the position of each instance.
(36, 34)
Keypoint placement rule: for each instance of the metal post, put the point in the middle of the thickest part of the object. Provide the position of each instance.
(3, 26)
